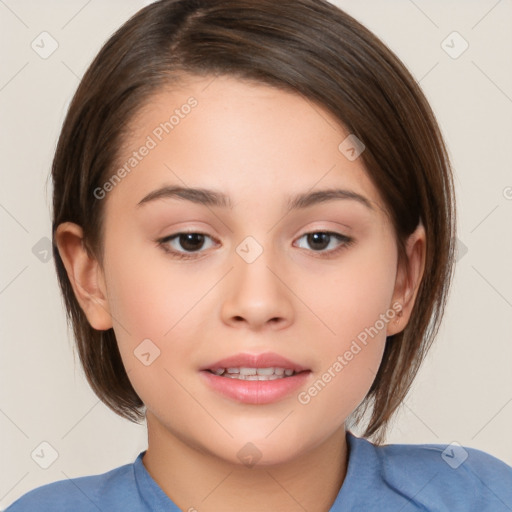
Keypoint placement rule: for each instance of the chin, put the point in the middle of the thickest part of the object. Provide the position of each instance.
(252, 449)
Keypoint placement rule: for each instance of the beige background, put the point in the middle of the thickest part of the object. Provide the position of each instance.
(464, 391)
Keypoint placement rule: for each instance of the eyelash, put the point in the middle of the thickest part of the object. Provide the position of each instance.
(163, 242)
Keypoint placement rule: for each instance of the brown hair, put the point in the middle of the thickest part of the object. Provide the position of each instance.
(305, 46)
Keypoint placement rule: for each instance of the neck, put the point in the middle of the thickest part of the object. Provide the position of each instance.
(198, 480)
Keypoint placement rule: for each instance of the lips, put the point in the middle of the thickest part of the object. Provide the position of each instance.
(252, 390)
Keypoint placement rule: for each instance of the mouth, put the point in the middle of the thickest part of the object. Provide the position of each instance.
(255, 378)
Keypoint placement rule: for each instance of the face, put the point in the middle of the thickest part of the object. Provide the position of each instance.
(191, 280)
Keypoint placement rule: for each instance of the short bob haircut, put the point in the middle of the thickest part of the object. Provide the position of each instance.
(309, 47)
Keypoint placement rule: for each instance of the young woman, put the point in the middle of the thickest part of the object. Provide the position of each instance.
(253, 230)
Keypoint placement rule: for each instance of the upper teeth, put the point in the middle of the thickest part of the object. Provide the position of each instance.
(254, 373)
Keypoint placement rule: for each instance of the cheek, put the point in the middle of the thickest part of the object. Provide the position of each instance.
(146, 296)
(148, 304)
(356, 310)
(355, 293)
(158, 311)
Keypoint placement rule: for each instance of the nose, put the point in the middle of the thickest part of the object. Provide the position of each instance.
(257, 295)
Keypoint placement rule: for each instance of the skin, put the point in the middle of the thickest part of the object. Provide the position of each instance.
(259, 145)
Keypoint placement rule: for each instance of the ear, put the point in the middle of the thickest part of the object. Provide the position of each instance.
(407, 283)
(85, 275)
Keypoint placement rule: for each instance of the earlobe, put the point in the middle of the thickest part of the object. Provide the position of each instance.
(85, 275)
(408, 280)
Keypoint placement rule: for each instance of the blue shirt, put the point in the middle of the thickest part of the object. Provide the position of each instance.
(393, 478)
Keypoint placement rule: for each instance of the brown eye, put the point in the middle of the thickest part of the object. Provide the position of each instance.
(184, 245)
(318, 241)
(191, 241)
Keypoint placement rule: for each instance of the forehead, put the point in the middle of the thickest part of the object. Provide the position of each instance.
(247, 139)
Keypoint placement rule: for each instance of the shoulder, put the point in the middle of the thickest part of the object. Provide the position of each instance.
(111, 491)
(456, 477)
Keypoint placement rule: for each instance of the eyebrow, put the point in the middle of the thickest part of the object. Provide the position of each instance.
(215, 198)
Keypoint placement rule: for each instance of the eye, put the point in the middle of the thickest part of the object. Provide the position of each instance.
(185, 245)
(321, 240)
(191, 243)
